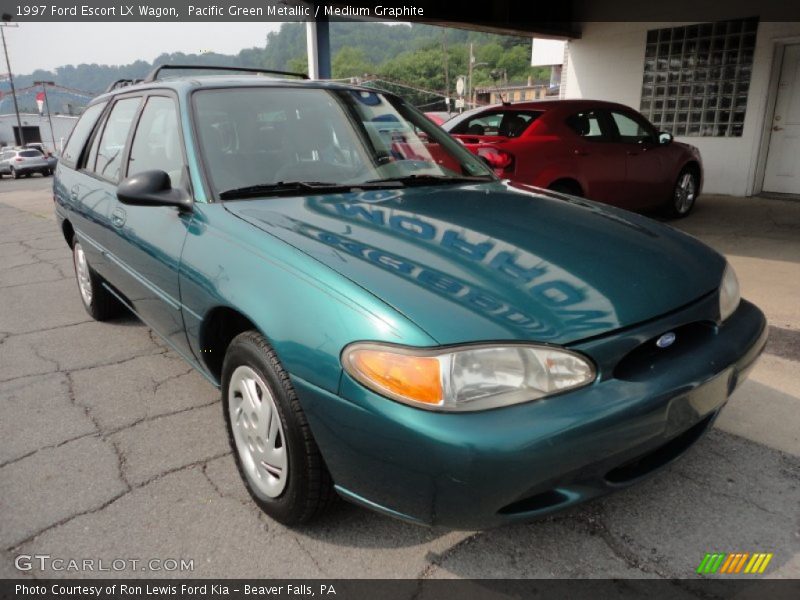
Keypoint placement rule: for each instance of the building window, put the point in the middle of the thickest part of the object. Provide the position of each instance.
(696, 78)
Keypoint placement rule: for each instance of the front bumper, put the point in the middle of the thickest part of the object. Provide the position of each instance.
(482, 469)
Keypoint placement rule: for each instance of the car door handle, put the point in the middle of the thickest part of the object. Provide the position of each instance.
(632, 153)
(73, 193)
(118, 217)
(776, 128)
(580, 153)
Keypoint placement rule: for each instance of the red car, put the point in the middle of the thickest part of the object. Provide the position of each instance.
(600, 150)
(439, 116)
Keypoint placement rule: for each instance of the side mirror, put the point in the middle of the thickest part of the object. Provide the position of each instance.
(664, 138)
(152, 188)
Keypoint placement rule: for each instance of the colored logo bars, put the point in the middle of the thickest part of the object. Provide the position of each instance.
(734, 563)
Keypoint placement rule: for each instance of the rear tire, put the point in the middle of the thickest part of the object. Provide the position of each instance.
(684, 195)
(566, 187)
(275, 451)
(97, 300)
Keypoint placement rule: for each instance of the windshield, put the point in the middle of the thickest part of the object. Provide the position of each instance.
(267, 137)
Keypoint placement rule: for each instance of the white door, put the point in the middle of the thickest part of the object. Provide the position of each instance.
(783, 160)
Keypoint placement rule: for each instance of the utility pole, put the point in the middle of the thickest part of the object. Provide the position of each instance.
(7, 23)
(446, 71)
(47, 106)
(469, 75)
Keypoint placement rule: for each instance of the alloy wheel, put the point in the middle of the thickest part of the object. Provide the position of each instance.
(685, 192)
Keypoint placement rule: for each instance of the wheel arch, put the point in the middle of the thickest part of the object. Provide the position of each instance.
(69, 232)
(570, 182)
(217, 330)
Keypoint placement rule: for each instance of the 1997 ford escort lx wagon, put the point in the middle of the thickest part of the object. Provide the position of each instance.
(386, 318)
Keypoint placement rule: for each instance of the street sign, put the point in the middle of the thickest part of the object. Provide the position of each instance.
(460, 86)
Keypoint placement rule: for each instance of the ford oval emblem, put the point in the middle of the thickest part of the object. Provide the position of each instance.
(666, 340)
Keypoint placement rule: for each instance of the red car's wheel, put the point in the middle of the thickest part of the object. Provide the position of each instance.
(683, 195)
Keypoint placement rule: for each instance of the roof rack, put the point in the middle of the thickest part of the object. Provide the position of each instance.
(153, 75)
(119, 83)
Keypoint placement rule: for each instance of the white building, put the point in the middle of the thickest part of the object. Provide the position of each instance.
(731, 88)
(37, 129)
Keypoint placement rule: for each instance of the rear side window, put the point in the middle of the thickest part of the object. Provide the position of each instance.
(30, 153)
(506, 123)
(587, 124)
(80, 133)
(105, 158)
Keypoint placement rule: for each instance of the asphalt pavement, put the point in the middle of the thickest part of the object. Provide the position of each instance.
(112, 448)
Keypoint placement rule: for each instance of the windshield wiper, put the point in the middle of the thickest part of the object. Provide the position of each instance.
(290, 187)
(421, 179)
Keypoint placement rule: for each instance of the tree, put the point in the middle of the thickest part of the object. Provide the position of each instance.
(351, 62)
(298, 64)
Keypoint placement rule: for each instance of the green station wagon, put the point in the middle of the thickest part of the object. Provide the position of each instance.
(385, 318)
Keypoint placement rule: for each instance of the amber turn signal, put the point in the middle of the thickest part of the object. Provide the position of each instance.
(416, 378)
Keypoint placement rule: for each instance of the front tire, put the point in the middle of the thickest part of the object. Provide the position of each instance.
(275, 451)
(96, 299)
(684, 195)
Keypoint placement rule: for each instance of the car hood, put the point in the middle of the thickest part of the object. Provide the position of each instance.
(496, 261)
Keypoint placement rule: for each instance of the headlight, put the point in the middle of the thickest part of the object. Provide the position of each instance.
(466, 378)
(728, 293)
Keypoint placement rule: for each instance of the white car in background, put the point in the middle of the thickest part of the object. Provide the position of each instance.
(19, 162)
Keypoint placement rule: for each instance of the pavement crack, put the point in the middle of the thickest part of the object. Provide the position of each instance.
(595, 525)
(49, 447)
(37, 353)
(311, 557)
(435, 560)
(103, 435)
(152, 418)
(218, 490)
(157, 384)
(109, 502)
(196, 463)
(5, 270)
(67, 519)
(717, 492)
(11, 334)
(249, 505)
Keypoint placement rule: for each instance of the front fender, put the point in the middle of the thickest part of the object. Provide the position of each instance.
(306, 310)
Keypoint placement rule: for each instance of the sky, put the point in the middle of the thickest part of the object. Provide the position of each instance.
(34, 46)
